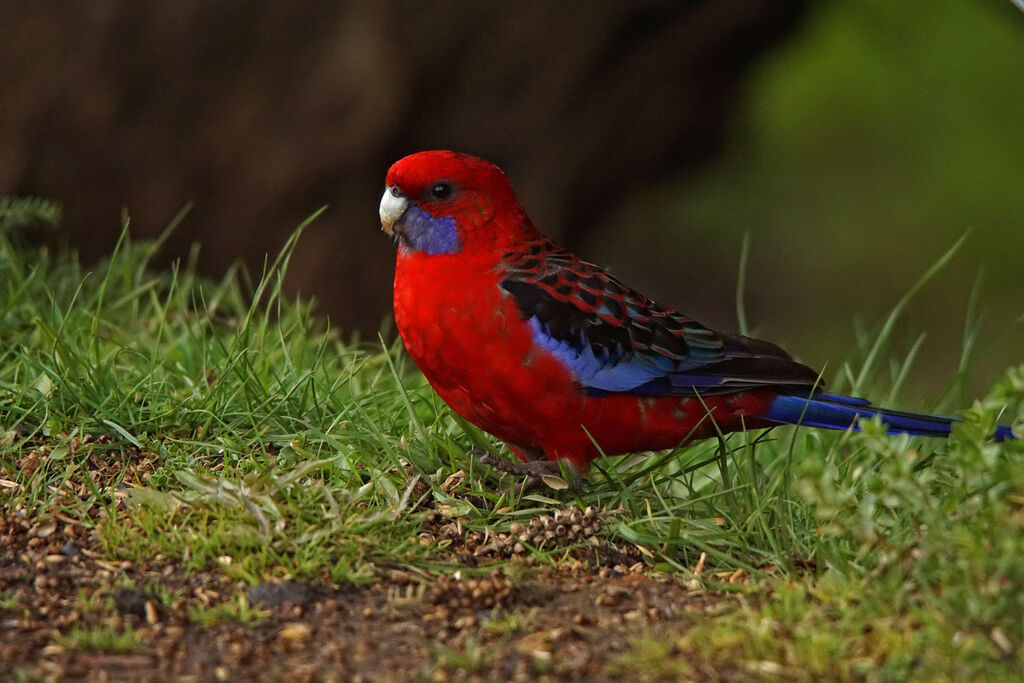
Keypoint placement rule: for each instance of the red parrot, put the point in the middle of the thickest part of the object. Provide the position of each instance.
(553, 355)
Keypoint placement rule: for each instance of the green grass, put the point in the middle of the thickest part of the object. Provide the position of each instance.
(100, 639)
(257, 441)
(9, 602)
(239, 610)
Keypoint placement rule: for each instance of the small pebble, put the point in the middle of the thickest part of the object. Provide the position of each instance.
(296, 630)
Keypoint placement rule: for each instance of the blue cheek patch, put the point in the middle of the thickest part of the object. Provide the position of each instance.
(430, 234)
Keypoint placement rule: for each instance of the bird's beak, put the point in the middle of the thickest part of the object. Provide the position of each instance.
(392, 207)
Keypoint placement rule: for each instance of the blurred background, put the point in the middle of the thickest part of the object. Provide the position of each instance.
(853, 141)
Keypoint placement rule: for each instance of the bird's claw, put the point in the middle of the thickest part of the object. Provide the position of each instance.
(538, 473)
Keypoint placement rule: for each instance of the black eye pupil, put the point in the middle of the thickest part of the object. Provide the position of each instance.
(441, 190)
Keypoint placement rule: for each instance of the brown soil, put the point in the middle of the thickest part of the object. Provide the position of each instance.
(573, 619)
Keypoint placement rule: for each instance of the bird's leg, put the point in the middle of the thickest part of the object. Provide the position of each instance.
(530, 468)
(533, 466)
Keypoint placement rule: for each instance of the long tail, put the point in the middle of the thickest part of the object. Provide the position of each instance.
(833, 411)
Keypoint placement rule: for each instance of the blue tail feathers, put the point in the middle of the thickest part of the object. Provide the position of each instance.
(834, 411)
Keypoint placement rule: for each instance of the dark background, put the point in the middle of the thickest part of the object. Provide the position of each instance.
(853, 141)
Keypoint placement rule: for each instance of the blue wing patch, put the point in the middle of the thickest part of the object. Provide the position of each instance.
(614, 340)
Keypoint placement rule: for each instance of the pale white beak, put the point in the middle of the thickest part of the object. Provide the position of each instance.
(392, 208)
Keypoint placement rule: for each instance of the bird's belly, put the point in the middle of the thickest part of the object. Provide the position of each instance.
(479, 355)
(623, 423)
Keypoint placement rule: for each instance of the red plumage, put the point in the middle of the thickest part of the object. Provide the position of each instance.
(469, 337)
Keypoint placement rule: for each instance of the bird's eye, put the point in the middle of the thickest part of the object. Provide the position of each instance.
(441, 190)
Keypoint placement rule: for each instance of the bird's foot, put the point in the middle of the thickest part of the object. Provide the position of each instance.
(537, 472)
(530, 468)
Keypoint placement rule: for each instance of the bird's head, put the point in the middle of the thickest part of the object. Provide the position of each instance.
(442, 202)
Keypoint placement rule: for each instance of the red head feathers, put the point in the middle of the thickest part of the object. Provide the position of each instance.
(442, 202)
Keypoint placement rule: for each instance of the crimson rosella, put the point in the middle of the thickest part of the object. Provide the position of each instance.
(555, 356)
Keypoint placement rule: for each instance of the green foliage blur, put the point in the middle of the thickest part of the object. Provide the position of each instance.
(868, 145)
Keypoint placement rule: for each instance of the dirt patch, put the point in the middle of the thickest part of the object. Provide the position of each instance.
(70, 611)
(66, 610)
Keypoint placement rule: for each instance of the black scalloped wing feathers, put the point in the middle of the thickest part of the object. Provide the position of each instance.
(613, 339)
